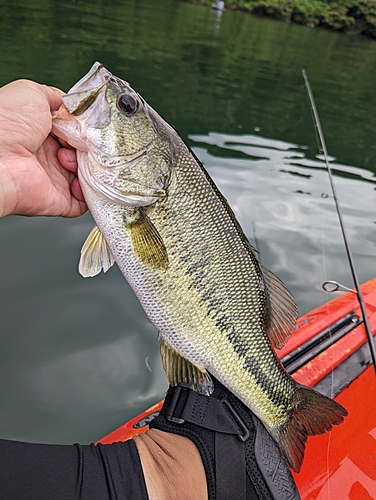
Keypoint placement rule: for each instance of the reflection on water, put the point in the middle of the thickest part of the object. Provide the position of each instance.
(284, 204)
(73, 351)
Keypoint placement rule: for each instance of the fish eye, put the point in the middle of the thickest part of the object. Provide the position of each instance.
(127, 104)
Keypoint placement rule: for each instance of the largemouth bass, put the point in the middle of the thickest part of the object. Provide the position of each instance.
(160, 216)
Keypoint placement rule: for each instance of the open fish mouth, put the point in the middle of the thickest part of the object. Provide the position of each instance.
(97, 76)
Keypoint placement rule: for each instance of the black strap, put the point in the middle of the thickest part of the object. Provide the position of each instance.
(226, 483)
(182, 404)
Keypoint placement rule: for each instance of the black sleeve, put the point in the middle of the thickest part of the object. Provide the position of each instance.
(70, 472)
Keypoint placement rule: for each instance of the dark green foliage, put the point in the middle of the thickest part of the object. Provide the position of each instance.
(336, 16)
(355, 16)
(364, 11)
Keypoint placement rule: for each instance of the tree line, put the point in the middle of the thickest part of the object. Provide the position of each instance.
(351, 16)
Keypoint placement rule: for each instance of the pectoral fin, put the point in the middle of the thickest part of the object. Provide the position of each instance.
(282, 310)
(146, 241)
(95, 255)
(179, 369)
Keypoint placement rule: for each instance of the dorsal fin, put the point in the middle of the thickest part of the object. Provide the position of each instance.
(282, 310)
(95, 255)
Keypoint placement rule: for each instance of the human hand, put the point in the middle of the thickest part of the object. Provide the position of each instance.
(37, 175)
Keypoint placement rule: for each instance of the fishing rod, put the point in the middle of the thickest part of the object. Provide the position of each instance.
(348, 251)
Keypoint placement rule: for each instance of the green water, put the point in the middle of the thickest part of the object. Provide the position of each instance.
(76, 354)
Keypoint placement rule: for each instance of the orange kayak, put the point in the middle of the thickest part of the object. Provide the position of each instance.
(328, 351)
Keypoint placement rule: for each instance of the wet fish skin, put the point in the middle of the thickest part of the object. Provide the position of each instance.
(179, 245)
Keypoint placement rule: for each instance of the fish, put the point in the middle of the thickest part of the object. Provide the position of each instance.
(159, 215)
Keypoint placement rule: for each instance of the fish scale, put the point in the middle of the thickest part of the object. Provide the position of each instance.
(173, 235)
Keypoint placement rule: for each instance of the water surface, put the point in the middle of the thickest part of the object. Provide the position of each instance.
(76, 354)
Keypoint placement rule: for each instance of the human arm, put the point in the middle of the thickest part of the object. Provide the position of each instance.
(180, 458)
(37, 175)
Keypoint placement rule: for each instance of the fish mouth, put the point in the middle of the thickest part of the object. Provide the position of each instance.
(97, 77)
(113, 161)
(98, 170)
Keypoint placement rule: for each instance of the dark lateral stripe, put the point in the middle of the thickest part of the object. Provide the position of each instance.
(268, 381)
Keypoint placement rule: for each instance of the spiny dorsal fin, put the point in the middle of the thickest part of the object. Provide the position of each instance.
(179, 369)
(146, 241)
(95, 255)
(282, 310)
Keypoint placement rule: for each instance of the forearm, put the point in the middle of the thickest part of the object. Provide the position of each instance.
(172, 466)
(79, 472)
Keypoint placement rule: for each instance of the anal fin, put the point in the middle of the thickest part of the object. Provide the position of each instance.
(179, 369)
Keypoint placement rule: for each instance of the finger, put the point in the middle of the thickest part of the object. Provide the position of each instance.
(68, 159)
(76, 190)
(77, 209)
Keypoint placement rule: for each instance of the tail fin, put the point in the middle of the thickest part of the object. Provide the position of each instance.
(314, 414)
